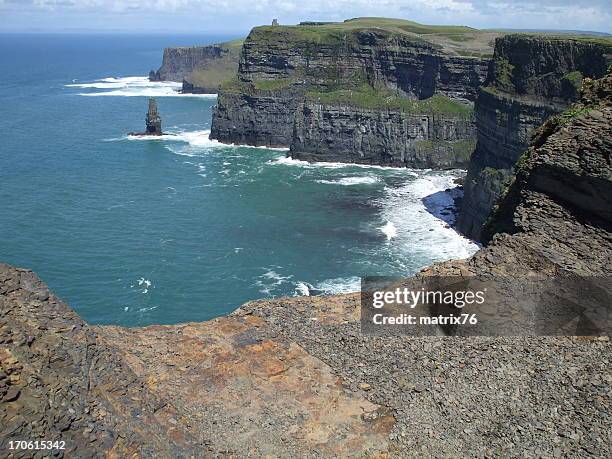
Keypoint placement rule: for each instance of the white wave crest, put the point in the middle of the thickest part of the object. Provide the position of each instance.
(270, 281)
(348, 181)
(145, 284)
(302, 289)
(412, 224)
(194, 138)
(389, 230)
(134, 87)
(339, 285)
(288, 161)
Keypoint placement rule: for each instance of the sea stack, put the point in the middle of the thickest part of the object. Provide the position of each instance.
(153, 121)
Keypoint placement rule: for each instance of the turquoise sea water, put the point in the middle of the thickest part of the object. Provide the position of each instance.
(134, 232)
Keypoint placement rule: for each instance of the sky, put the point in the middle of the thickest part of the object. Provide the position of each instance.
(238, 16)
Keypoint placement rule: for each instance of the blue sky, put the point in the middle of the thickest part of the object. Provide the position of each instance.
(206, 16)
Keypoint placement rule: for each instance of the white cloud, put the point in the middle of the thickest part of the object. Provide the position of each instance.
(568, 14)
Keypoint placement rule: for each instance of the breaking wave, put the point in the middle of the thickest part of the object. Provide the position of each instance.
(288, 161)
(348, 181)
(193, 138)
(340, 285)
(134, 87)
(412, 227)
(389, 230)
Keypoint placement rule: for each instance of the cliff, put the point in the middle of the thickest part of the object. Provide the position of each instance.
(386, 55)
(153, 121)
(202, 69)
(59, 381)
(374, 65)
(296, 377)
(246, 116)
(530, 78)
(568, 165)
(390, 136)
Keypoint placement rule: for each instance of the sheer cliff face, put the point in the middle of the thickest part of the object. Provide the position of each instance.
(280, 66)
(546, 68)
(385, 137)
(530, 78)
(409, 64)
(561, 192)
(262, 118)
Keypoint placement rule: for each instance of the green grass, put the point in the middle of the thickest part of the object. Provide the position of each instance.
(273, 85)
(405, 26)
(503, 74)
(572, 113)
(471, 53)
(463, 149)
(234, 45)
(344, 32)
(214, 75)
(595, 39)
(235, 85)
(367, 97)
(220, 70)
(574, 79)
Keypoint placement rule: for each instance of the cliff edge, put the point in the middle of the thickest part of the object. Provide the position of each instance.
(296, 377)
(530, 79)
(366, 90)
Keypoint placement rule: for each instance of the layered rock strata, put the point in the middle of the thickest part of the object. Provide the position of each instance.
(384, 137)
(258, 118)
(281, 68)
(530, 79)
(179, 62)
(153, 121)
(326, 58)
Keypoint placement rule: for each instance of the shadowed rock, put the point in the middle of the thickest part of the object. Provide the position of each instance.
(153, 121)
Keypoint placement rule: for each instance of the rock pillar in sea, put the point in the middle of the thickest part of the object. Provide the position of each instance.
(153, 119)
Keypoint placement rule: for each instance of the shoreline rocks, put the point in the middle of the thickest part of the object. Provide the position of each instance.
(152, 120)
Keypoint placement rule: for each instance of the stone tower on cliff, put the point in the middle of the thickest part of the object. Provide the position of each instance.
(153, 119)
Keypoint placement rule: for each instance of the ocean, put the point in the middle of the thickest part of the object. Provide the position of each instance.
(137, 231)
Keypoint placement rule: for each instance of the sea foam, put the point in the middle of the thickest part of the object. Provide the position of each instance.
(134, 87)
(413, 227)
(349, 181)
(288, 161)
(389, 230)
(339, 285)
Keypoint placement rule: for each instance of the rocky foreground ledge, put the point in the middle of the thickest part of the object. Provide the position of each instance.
(297, 378)
(289, 378)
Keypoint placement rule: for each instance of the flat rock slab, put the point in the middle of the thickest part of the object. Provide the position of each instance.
(246, 394)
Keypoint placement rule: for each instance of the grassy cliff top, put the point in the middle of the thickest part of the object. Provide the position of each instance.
(460, 40)
(404, 25)
(605, 40)
(368, 98)
(218, 71)
(230, 46)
